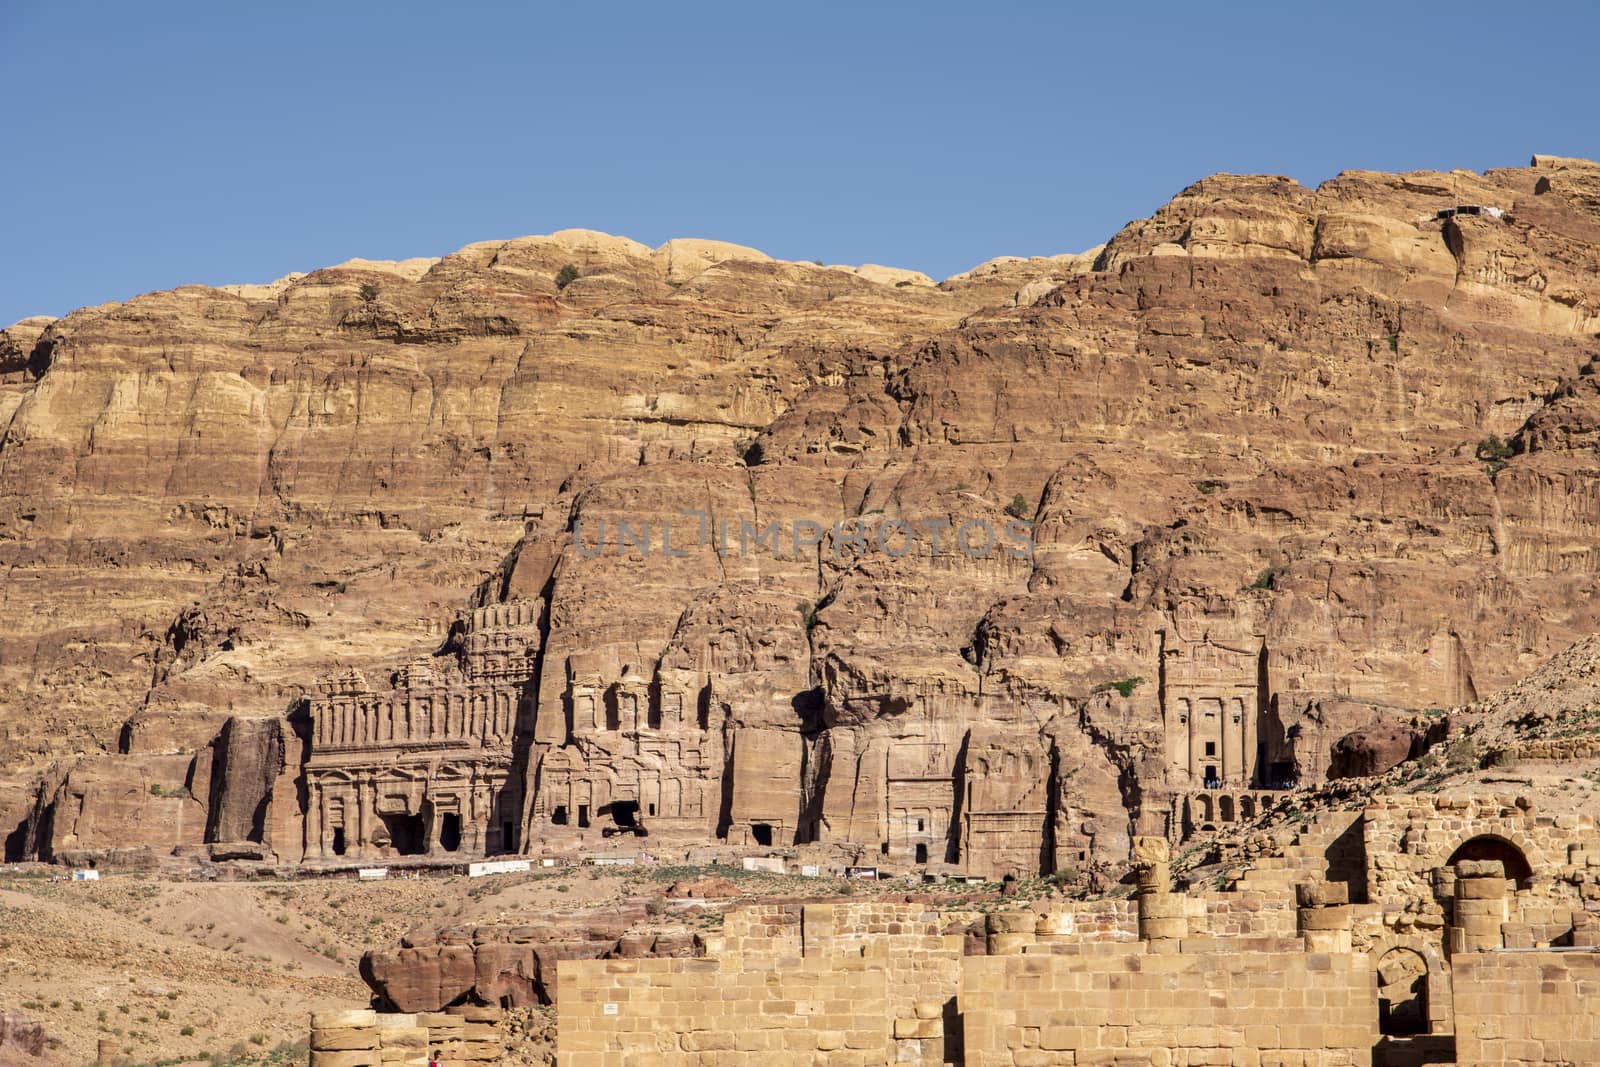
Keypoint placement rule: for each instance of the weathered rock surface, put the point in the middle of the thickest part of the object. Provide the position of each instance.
(1364, 753)
(509, 966)
(1290, 464)
(22, 1041)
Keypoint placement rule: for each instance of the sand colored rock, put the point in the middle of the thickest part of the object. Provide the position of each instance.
(1276, 467)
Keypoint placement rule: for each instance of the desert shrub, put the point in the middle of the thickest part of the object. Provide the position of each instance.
(1124, 686)
(1265, 579)
(1493, 453)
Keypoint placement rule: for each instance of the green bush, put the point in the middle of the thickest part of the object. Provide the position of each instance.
(566, 276)
(1018, 508)
(1265, 579)
(368, 292)
(1125, 686)
(1493, 453)
(1492, 448)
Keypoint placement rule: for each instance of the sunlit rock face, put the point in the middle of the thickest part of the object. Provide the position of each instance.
(992, 573)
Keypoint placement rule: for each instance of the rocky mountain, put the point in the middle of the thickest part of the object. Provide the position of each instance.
(588, 536)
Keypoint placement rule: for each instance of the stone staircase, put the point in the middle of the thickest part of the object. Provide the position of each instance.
(1326, 848)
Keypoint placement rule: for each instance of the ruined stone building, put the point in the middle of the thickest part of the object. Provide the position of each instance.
(1450, 930)
(425, 767)
(460, 755)
(1005, 805)
(632, 754)
(1225, 760)
(1455, 929)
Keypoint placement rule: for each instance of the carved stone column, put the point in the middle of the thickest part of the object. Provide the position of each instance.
(1480, 906)
(1162, 921)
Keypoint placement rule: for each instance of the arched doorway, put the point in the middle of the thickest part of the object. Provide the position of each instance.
(1402, 993)
(1494, 847)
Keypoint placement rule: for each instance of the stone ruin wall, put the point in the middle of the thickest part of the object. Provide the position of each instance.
(1305, 978)
(1313, 957)
(464, 1036)
(888, 983)
(1527, 1009)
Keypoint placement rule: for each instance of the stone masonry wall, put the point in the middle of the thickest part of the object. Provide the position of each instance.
(464, 1037)
(1519, 1009)
(772, 1013)
(1246, 1003)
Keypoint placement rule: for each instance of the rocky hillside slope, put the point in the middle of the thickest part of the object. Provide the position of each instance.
(1330, 450)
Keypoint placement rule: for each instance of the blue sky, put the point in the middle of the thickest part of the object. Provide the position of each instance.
(152, 145)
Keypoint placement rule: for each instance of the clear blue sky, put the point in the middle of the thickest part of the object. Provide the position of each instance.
(151, 145)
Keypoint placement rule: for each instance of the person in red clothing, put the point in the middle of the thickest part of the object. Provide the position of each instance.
(433, 1060)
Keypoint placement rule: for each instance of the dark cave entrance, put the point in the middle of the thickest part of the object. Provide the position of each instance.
(407, 835)
(450, 832)
(16, 842)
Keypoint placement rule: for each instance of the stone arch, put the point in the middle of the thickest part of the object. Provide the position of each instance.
(1225, 808)
(1493, 846)
(1206, 814)
(1435, 987)
(1402, 992)
(1247, 807)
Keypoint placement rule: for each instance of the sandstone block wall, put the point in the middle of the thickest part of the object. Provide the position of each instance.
(768, 929)
(1246, 914)
(1246, 1003)
(464, 1037)
(881, 983)
(1527, 1008)
(1410, 836)
(776, 1013)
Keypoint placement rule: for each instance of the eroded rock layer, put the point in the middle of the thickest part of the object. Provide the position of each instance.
(696, 544)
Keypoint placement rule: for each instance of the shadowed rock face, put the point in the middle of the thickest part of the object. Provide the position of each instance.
(1292, 463)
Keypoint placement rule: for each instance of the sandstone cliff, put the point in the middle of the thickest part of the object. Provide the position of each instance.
(1292, 463)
